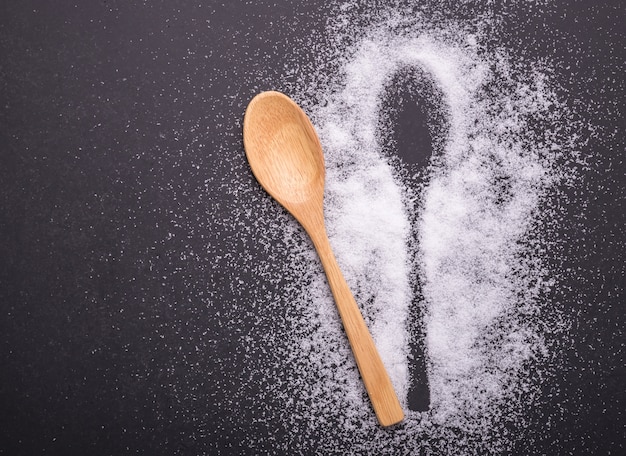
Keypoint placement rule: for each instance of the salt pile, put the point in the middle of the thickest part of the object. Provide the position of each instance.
(469, 236)
(472, 230)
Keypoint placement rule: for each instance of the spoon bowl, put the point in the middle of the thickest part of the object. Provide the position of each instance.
(291, 178)
(286, 157)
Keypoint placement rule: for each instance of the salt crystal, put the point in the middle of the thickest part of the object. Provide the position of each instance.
(467, 233)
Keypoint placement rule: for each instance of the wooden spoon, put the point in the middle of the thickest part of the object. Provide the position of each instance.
(287, 159)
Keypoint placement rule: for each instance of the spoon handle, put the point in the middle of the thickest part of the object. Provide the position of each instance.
(373, 372)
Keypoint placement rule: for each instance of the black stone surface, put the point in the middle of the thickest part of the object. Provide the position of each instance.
(113, 114)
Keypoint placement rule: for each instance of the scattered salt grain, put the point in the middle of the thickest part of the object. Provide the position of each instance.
(475, 218)
(448, 252)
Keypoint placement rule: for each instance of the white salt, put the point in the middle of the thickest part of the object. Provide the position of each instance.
(469, 232)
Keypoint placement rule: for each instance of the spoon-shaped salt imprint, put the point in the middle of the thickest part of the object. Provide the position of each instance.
(286, 157)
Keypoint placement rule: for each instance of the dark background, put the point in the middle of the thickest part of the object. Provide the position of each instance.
(120, 240)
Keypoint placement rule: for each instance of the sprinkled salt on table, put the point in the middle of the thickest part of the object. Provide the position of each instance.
(470, 226)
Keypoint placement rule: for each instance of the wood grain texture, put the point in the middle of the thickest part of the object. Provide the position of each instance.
(286, 158)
